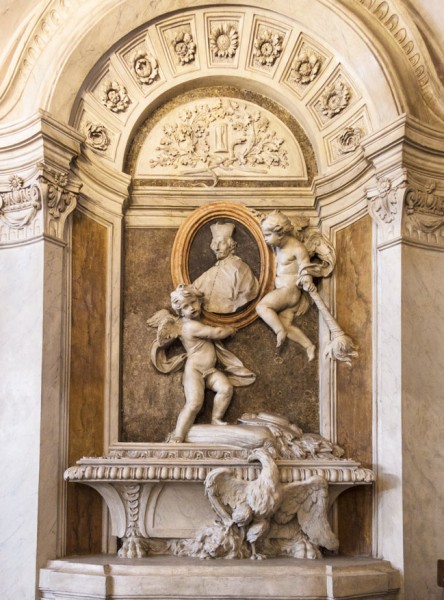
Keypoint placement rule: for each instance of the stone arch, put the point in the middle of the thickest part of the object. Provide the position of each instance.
(379, 51)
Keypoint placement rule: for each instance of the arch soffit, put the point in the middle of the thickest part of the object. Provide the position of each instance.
(304, 74)
(78, 34)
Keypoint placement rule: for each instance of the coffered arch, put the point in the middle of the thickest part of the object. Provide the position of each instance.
(244, 47)
(375, 42)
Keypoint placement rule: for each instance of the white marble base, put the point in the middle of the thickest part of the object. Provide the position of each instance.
(108, 577)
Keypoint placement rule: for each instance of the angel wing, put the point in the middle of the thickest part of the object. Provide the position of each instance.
(168, 326)
(321, 250)
(227, 496)
(309, 501)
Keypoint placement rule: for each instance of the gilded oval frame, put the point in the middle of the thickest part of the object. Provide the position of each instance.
(180, 255)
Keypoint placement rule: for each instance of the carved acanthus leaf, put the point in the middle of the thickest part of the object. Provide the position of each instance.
(384, 205)
(58, 197)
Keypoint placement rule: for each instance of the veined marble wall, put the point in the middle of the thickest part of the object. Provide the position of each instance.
(354, 386)
(423, 416)
(87, 398)
(20, 387)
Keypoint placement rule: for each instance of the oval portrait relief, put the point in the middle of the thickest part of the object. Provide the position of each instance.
(220, 250)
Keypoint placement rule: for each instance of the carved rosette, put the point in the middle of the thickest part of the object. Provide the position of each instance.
(224, 41)
(349, 140)
(115, 97)
(335, 99)
(306, 67)
(267, 48)
(97, 137)
(184, 47)
(424, 215)
(145, 67)
(40, 207)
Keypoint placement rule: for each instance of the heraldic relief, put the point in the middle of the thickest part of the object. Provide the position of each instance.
(262, 486)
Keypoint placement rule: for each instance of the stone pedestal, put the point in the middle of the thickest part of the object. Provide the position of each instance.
(104, 577)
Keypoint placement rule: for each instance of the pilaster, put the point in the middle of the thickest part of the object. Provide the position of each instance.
(37, 194)
(406, 201)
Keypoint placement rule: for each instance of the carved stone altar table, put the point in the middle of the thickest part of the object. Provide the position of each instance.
(155, 492)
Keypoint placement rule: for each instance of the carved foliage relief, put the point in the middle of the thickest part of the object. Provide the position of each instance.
(206, 39)
(222, 137)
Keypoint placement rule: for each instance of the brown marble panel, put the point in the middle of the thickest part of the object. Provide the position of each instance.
(286, 382)
(86, 404)
(354, 385)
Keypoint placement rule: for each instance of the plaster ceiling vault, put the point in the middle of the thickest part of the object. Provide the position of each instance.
(71, 49)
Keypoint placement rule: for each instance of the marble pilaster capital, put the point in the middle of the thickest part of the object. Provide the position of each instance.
(37, 187)
(38, 205)
(408, 209)
(406, 199)
(385, 202)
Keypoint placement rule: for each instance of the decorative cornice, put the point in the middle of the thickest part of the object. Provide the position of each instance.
(399, 31)
(146, 470)
(103, 187)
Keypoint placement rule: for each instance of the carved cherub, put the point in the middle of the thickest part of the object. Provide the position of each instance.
(199, 361)
(294, 250)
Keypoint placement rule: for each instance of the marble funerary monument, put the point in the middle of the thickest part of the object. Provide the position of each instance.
(221, 247)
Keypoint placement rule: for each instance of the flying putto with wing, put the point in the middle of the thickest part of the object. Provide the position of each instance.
(300, 256)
